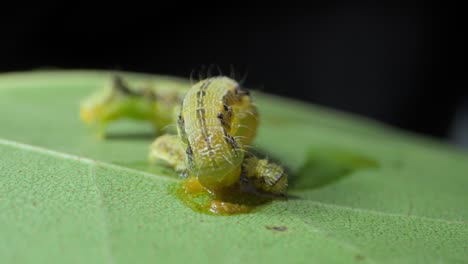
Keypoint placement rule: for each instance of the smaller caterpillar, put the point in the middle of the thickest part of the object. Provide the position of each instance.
(118, 101)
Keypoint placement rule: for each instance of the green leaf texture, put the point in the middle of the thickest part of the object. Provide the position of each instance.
(360, 192)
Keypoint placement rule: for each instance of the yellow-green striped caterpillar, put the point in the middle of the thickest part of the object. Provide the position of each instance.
(216, 123)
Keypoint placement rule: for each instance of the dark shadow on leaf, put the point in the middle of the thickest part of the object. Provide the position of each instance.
(325, 166)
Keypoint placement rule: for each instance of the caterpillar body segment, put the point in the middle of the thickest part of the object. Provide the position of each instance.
(211, 116)
(245, 123)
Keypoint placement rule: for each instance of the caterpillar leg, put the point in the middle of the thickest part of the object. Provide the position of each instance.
(265, 175)
(169, 149)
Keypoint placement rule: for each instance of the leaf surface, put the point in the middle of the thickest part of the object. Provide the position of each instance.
(360, 191)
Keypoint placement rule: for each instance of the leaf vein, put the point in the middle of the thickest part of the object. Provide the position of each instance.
(369, 211)
(108, 247)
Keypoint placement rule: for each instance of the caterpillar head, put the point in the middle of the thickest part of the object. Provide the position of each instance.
(115, 100)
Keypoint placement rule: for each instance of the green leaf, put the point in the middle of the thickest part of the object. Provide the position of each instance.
(360, 191)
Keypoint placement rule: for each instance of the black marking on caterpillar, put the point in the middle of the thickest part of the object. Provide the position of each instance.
(230, 140)
(189, 154)
(223, 121)
(122, 87)
(182, 132)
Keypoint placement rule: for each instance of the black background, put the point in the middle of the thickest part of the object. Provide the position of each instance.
(395, 64)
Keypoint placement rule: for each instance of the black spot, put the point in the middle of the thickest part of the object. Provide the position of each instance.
(277, 228)
(189, 154)
(181, 125)
(226, 108)
(223, 121)
(205, 85)
(201, 94)
(230, 140)
(122, 87)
